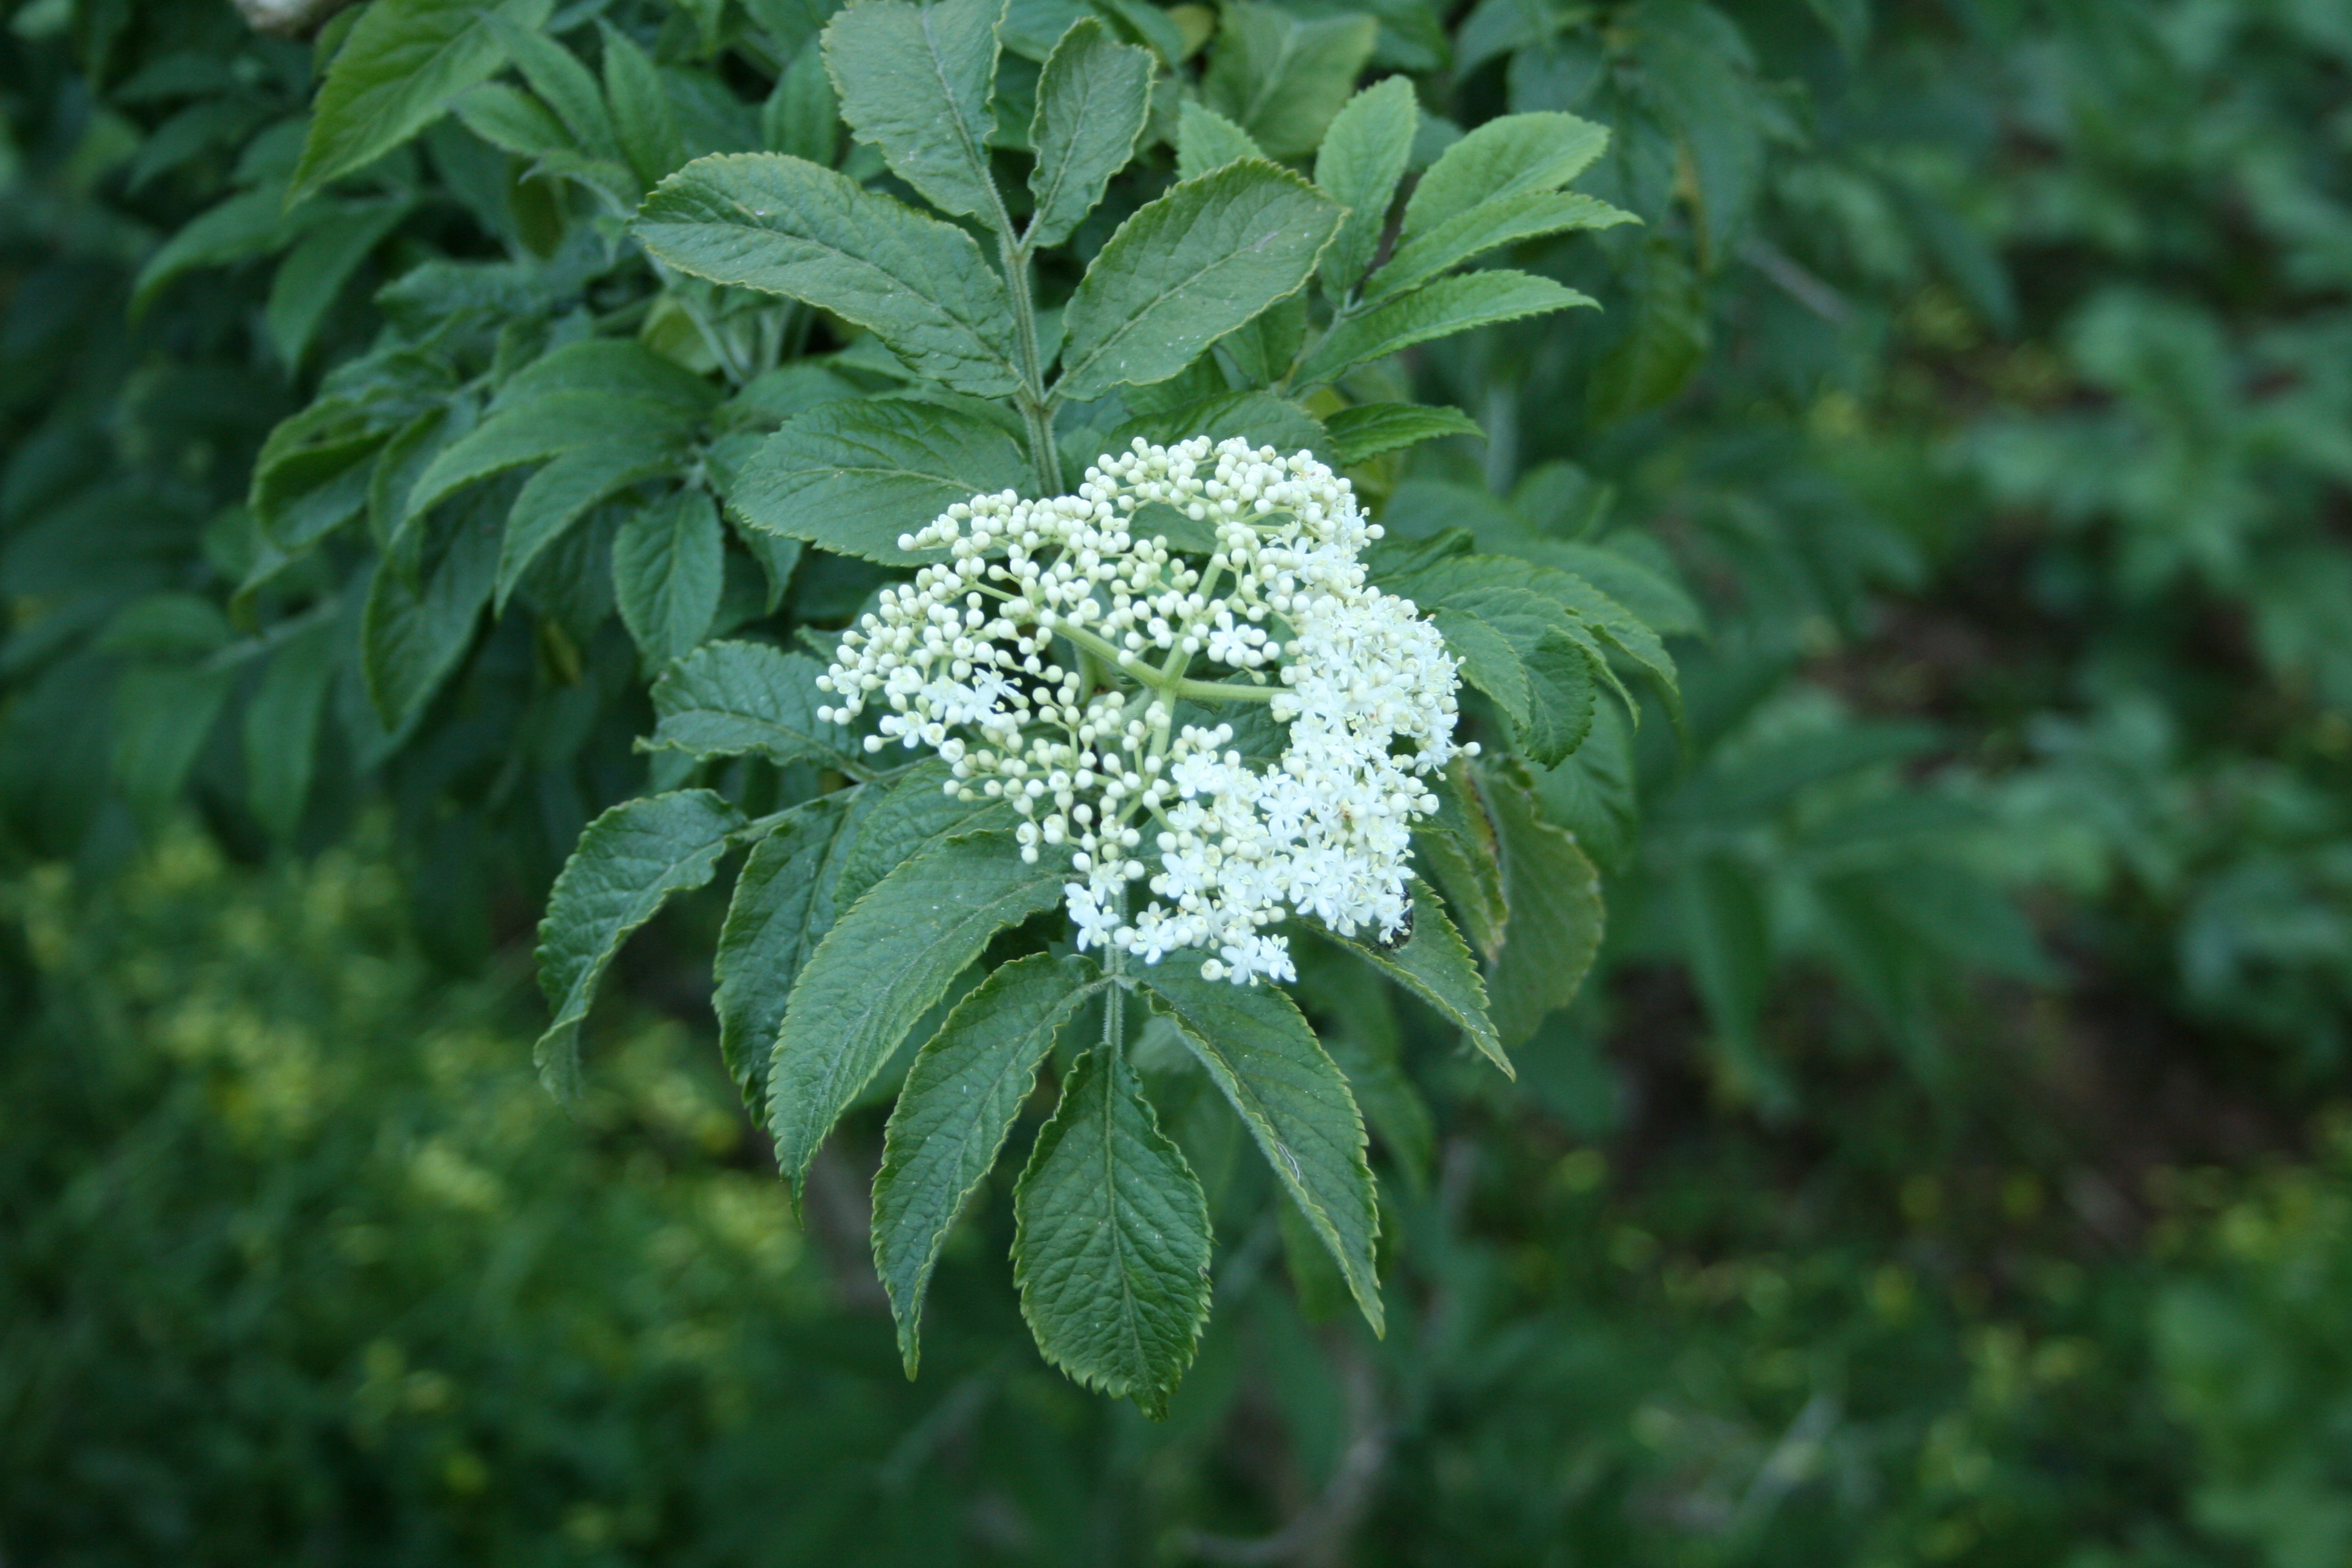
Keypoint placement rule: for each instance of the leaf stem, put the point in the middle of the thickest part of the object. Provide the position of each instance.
(1222, 691)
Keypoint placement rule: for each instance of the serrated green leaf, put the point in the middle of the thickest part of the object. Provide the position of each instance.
(881, 967)
(1283, 78)
(628, 864)
(781, 907)
(1503, 158)
(1459, 849)
(1368, 430)
(1262, 417)
(1363, 158)
(667, 561)
(802, 116)
(1556, 918)
(733, 699)
(1112, 1252)
(1296, 1101)
(281, 723)
(250, 223)
(916, 817)
(420, 615)
(961, 1096)
(557, 496)
(642, 121)
(1186, 269)
(1486, 656)
(1206, 139)
(1448, 306)
(853, 477)
(1436, 965)
(1489, 226)
(914, 81)
(536, 430)
(1092, 99)
(511, 119)
(315, 271)
(403, 63)
(785, 225)
(556, 75)
(1560, 700)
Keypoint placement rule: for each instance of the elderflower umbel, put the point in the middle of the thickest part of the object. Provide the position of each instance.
(1090, 753)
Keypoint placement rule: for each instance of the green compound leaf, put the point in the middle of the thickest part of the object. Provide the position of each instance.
(1448, 306)
(853, 477)
(1486, 656)
(1092, 100)
(403, 65)
(1489, 226)
(557, 496)
(628, 863)
(960, 1100)
(1112, 1252)
(643, 120)
(914, 81)
(914, 818)
(1282, 78)
(1296, 1102)
(1188, 268)
(1368, 430)
(1206, 139)
(880, 968)
(1460, 849)
(1559, 704)
(1436, 965)
(1503, 158)
(1362, 157)
(1556, 911)
(281, 723)
(783, 905)
(667, 561)
(731, 698)
(785, 226)
(1266, 420)
(420, 612)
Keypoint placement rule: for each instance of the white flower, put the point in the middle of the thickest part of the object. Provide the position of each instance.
(968, 661)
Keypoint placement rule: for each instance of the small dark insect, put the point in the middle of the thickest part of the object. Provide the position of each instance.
(1399, 937)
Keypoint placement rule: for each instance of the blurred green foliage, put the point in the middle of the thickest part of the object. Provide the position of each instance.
(1929, 1173)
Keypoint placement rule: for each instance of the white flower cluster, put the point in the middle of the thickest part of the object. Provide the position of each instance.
(1091, 753)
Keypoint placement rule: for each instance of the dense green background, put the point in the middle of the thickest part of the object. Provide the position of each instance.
(1941, 1166)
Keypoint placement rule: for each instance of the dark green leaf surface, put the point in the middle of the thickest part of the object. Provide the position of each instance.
(881, 967)
(629, 861)
(1489, 226)
(1503, 158)
(1555, 914)
(1448, 306)
(781, 907)
(787, 227)
(1363, 158)
(1188, 268)
(1282, 76)
(1266, 1061)
(1436, 965)
(666, 565)
(853, 477)
(732, 699)
(914, 81)
(961, 1096)
(1112, 1258)
(914, 818)
(1091, 103)
(403, 65)
(1459, 849)
(1370, 428)
(1206, 139)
